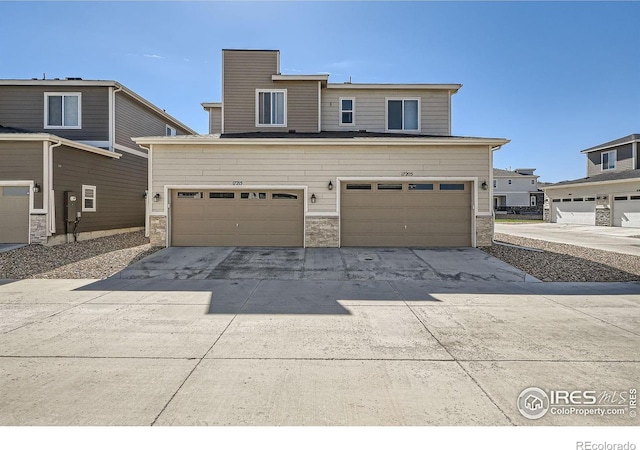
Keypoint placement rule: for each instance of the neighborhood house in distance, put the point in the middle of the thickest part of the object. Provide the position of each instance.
(296, 161)
(517, 192)
(67, 159)
(610, 193)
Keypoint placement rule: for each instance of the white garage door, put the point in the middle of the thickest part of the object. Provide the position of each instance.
(626, 211)
(580, 211)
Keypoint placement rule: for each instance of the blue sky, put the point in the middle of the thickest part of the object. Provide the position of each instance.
(554, 77)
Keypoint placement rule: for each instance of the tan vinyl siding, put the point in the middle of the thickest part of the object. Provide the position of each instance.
(120, 184)
(23, 107)
(22, 161)
(624, 160)
(246, 71)
(370, 107)
(215, 120)
(134, 120)
(314, 166)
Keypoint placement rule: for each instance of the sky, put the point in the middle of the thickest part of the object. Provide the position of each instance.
(553, 77)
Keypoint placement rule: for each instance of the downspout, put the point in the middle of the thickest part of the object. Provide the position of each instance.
(147, 199)
(51, 209)
(493, 213)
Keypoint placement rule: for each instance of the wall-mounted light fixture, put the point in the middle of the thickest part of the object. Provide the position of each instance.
(330, 186)
(36, 188)
(484, 186)
(145, 194)
(313, 198)
(156, 198)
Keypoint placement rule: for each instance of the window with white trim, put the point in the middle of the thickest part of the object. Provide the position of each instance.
(171, 131)
(88, 198)
(403, 114)
(347, 110)
(608, 160)
(63, 110)
(271, 108)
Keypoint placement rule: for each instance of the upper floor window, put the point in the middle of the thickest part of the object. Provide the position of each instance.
(533, 182)
(609, 160)
(62, 110)
(347, 110)
(271, 108)
(171, 131)
(403, 114)
(509, 181)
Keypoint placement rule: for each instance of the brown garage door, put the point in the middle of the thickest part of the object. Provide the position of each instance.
(14, 214)
(388, 214)
(261, 218)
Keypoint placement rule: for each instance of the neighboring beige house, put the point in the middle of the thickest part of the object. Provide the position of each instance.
(293, 160)
(516, 191)
(68, 165)
(610, 193)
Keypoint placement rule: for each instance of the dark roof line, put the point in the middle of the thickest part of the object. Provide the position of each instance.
(619, 141)
(334, 134)
(612, 176)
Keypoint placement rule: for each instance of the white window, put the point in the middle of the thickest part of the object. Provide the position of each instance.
(171, 131)
(495, 183)
(509, 181)
(403, 114)
(533, 200)
(88, 198)
(62, 110)
(347, 111)
(533, 181)
(609, 160)
(271, 108)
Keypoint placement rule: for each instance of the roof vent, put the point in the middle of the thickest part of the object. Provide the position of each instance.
(73, 78)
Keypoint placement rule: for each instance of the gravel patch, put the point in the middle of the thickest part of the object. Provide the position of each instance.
(95, 258)
(562, 262)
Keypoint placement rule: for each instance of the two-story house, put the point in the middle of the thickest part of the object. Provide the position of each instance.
(293, 160)
(610, 193)
(516, 191)
(68, 166)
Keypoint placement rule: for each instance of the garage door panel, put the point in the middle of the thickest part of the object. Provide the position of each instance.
(418, 217)
(225, 218)
(579, 213)
(626, 213)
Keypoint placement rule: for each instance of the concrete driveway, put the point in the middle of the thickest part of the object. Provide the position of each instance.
(612, 239)
(241, 350)
(210, 263)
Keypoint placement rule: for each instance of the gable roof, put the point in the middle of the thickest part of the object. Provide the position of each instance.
(601, 177)
(100, 83)
(621, 141)
(19, 134)
(510, 173)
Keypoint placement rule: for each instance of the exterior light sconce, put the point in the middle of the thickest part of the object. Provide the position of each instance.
(156, 198)
(36, 188)
(145, 194)
(484, 186)
(313, 198)
(330, 186)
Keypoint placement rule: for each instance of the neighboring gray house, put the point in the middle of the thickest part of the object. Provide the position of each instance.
(69, 139)
(610, 193)
(293, 160)
(516, 192)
